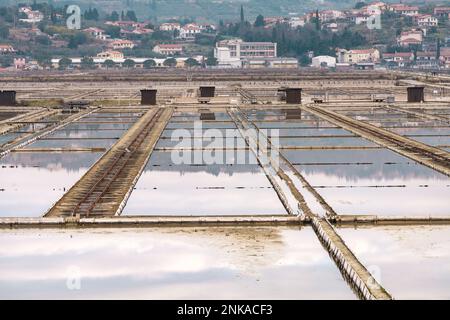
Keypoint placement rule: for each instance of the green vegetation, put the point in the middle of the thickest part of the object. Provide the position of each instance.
(128, 63)
(148, 64)
(108, 63)
(171, 62)
(64, 63)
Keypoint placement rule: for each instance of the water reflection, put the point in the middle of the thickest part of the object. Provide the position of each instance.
(382, 189)
(414, 262)
(189, 263)
(184, 190)
(31, 182)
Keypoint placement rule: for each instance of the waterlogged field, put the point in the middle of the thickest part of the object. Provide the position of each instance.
(210, 169)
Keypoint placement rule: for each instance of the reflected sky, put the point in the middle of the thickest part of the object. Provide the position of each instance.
(413, 261)
(337, 141)
(219, 263)
(7, 137)
(375, 156)
(31, 182)
(382, 189)
(184, 190)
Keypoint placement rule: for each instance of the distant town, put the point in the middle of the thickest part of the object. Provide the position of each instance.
(368, 36)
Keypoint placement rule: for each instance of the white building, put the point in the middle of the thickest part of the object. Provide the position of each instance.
(139, 62)
(6, 48)
(427, 20)
(224, 58)
(122, 44)
(170, 26)
(33, 16)
(404, 9)
(97, 33)
(324, 62)
(361, 19)
(168, 49)
(189, 31)
(296, 22)
(239, 54)
(359, 56)
(240, 49)
(413, 37)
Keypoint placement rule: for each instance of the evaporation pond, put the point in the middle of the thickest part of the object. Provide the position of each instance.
(31, 182)
(411, 262)
(174, 263)
(170, 189)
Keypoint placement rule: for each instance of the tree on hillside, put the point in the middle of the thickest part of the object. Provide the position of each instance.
(77, 39)
(131, 15)
(211, 61)
(114, 16)
(113, 31)
(191, 62)
(87, 63)
(170, 62)
(149, 64)
(4, 31)
(128, 63)
(44, 40)
(317, 20)
(360, 4)
(64, 63)
(242, 14)
(108, 63)
(259, 22)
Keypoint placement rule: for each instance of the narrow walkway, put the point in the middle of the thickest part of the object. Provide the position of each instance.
(432, 157)
(104, 189)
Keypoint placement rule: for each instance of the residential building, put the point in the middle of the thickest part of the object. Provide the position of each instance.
(272, 21)
(189, 31)
(404, 9)
(445, 57)
(427, 20)
(19, 63)
(127, 24)
(170, 26)
(206, 27)
(332, 26)
(122, 44)
(240, 49)
(427, 59)
(6, 48)
(224, 58)
(400, 59)
(330, 15)
(110, 54)
(296, 22)
(361, 19)
(324, 62)
(33, 16)
(97, 33)
(375, 8)
(413, 37)
(168, 49)
(358, 56)
(442, 12)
